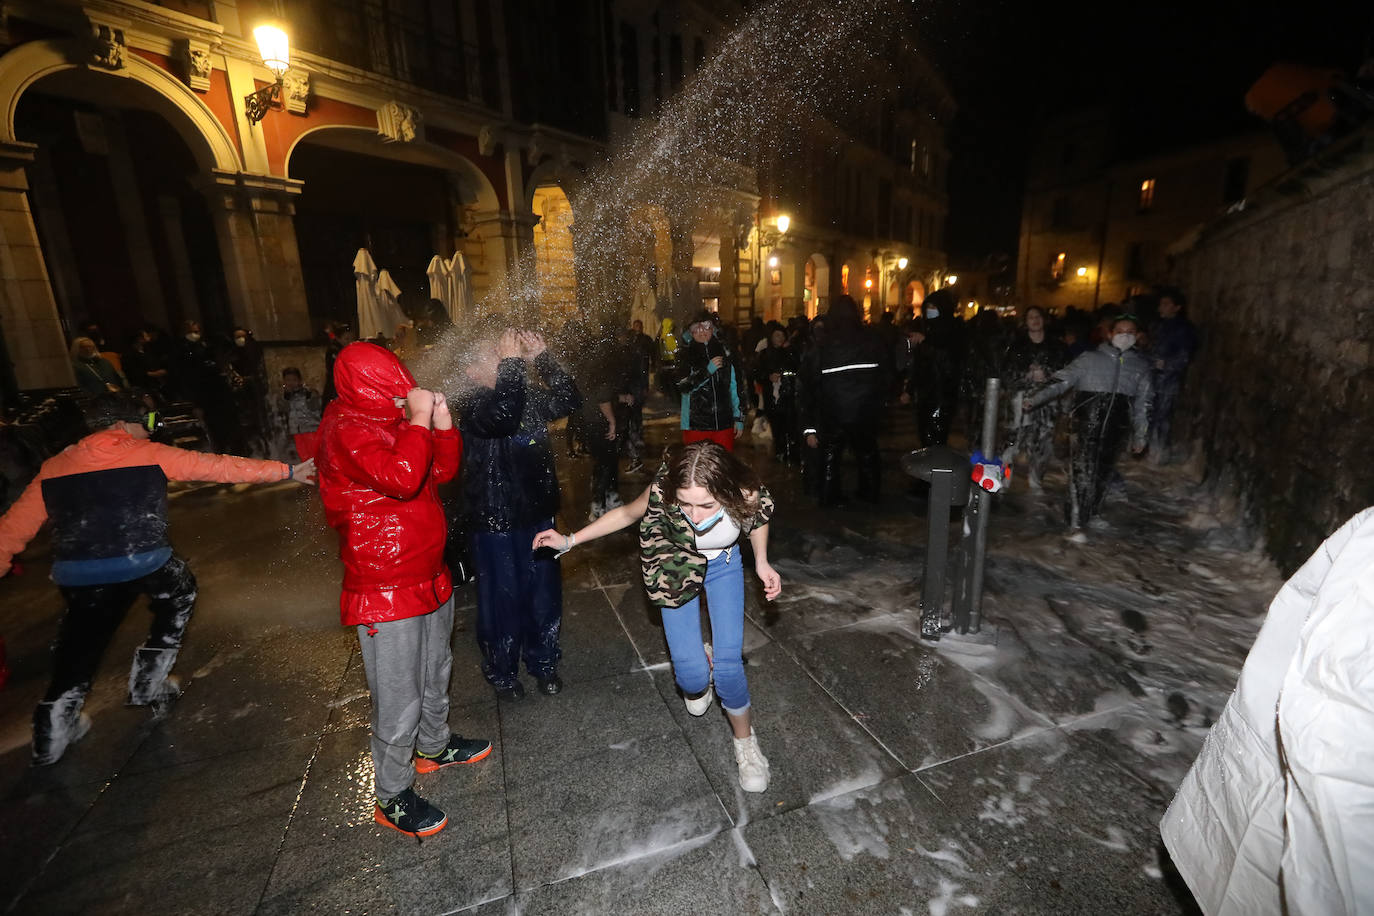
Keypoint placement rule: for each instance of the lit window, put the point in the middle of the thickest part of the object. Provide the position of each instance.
(1147, 194)
(1057, 265)
(844, 279)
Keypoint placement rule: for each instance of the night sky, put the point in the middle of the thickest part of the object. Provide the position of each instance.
(1174, 74)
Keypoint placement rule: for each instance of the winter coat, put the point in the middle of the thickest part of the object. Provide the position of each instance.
(107, 497)
(1173, 342)
(843, 381)
(1050, 355)
(673, 569)
(1277, 813)
(1109, 371)
(299, 410)
(509, 479)
(379, 478)
(712, 399)
(937, 361)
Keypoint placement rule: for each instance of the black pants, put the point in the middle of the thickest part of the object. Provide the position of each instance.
(94, 613)
(519, 604)
(933, 415)
(862, 440)
(1101, 426)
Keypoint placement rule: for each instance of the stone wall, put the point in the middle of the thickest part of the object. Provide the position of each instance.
(1279, 403)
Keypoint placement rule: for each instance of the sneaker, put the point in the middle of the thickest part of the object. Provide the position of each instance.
(551, 685)
(697, 706)
(458, 750)
(753, 766)
(410, 814)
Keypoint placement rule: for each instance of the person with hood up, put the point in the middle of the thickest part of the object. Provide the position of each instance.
(711, 385)
(844, 381)
(379, 479)
(510, 491)
(1112, 404)
(107, 499)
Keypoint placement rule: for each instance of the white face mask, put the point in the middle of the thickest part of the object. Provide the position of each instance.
(932, 313)
(193, 336)
(1123, 341)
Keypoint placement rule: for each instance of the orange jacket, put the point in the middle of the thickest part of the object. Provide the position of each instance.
(111, 449)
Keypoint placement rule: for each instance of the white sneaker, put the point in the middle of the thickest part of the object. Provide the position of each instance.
(753, 766)
(698, 706)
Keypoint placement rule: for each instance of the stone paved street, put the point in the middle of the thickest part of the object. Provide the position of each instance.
(1022, 770)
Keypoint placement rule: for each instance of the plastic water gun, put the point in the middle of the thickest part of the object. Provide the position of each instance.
(989, 473)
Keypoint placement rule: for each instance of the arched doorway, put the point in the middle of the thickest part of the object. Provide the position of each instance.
(817, 284)
(116, 193)
(405, 203)
(554, 263)
(915, 293)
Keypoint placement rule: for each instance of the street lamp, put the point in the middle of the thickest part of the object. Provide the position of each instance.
(901, 263)
(951, 279)
(1082, 272)
(275, 49)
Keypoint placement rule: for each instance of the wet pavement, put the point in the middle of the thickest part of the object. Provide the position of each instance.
(1019, 770)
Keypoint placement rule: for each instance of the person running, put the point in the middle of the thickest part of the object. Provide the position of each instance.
(379, 481)
(1112, 405)
(1031, 359)
(107, 498)
(702, 501)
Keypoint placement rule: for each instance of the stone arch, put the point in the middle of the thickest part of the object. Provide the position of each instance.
(475, 189)
(817, 282)
(205, 136)
(553, 172)
(555, 262)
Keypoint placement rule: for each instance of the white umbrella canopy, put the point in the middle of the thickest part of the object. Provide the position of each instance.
(439, 279)
(644, 305)
(370, 319)
(459, 300)
(389, 305)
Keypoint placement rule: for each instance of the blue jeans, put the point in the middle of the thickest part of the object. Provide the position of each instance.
(682, 625)
(519, 604)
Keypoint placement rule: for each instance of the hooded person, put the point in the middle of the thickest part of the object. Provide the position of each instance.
(937, 363)
(510, 491)
(379, 478)
(107, 499)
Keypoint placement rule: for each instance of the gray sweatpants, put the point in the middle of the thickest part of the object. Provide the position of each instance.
(408, 663)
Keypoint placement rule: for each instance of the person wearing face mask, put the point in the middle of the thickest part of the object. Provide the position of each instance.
(937, 342)
(93, 372)
(1112, 404)
(702, 502)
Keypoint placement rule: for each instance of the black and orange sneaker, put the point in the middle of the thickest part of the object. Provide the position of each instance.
(410, 814)
(458, 750)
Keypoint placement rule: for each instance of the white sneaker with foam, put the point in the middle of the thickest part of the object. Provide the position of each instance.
(753, 766)
(699, 705)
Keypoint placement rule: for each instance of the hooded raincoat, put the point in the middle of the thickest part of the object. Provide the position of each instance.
(1277, 813)
(379, 478)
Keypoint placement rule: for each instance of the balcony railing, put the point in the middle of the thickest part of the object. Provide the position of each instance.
(369, 35)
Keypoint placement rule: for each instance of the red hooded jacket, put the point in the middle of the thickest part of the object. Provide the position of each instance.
(379, 479)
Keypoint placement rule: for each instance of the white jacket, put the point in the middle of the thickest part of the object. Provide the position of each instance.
(1279, 806)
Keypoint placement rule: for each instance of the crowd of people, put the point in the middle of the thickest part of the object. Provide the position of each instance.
(404, 477)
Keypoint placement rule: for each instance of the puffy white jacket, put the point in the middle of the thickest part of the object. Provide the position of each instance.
(1278, 809)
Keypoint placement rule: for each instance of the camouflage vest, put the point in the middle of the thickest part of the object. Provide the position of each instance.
(673, 568)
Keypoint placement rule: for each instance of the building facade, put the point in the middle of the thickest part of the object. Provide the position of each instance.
(1097, 227)
(137, 188)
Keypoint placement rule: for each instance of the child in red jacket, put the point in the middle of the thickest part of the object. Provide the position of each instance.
(379, 479)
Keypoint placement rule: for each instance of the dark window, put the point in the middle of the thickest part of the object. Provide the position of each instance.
(698, 54)
(885, 209)
(1237, 178)
(608, 26)
(1060, 215)
(1135, 261)
(1147, 194)
(656, 64)
(629, 68)
(674, 63)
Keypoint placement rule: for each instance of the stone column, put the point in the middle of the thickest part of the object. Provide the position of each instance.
(254, 223)
(504, 236)
(729, 274)
(35, 345)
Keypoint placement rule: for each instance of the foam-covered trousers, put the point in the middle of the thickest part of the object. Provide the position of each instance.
(519, 604)
(408, 663)
(724, 588)
(1101, 429)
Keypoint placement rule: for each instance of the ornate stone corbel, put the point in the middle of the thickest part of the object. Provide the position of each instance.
(295, 91)
(487, 140)
(107, 45)
(400, 123)
(194, 59)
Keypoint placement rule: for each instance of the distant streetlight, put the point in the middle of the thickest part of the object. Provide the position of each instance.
(783, 222)
(275, 49)
(868, 283)
(773, 261)
(901, 263)
(951, 279)
(1082, 272)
